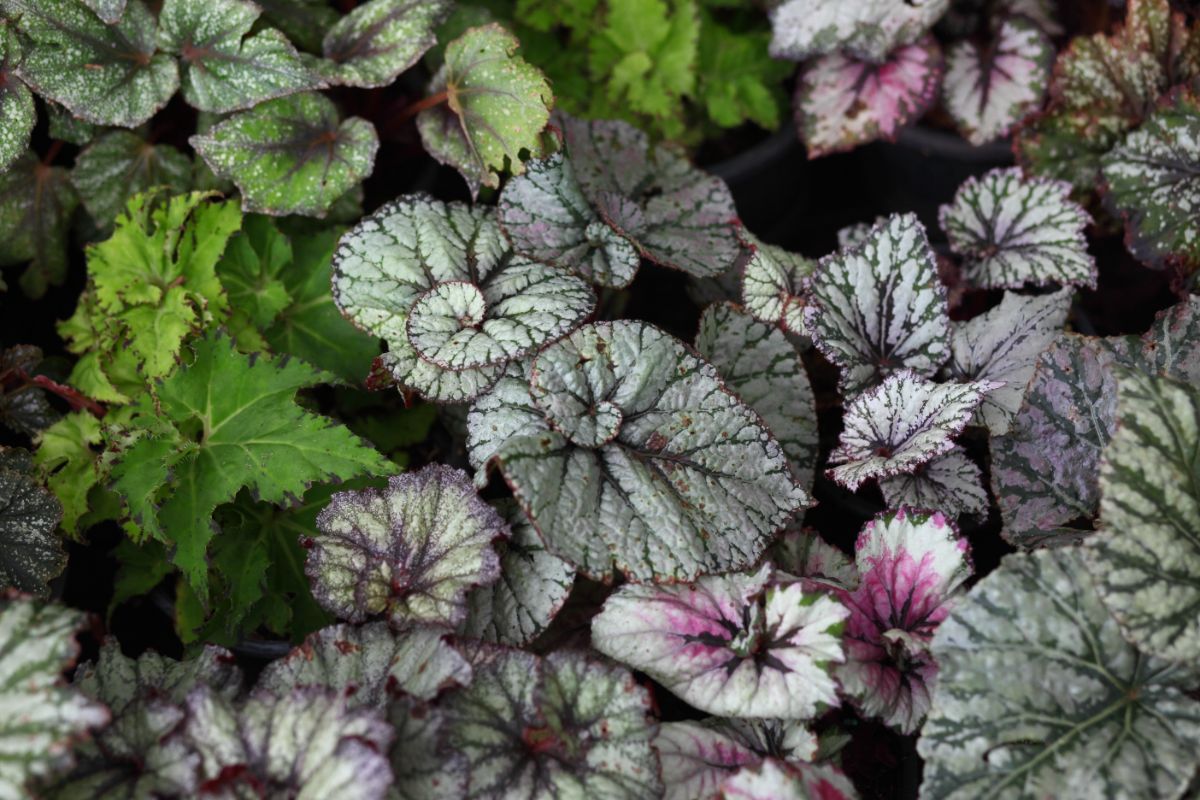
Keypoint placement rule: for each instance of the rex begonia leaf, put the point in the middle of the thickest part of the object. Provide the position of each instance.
(773, 779)
(290, 155)
(901, 424)
(1172, 345)
(411, 551)
(1151, 180)
(950, 483)
(989, 89)
(1039, 695)
(225, 68)
(108, 10)
(1146, 559)
(1003, 345)
(44, 717)
(36, 205)
(533, 586)
(563, 726)
(547, 219)
(677, 215)
(104, 74)
(867, 29)
(223, 422)
(378, 40)
(697, 757)
(733, 645)
(23, 405)
(842, 102)
(775, 284)
(497, 104)
(626, 449)
(879, 307)
(121, 164)
(801, 552)
(1011, 230)
(911, 563)
(762, 367)
(30, 550)
(369, 664)
(17, 112)
(307, 743)
(439, 283)
(303, 21)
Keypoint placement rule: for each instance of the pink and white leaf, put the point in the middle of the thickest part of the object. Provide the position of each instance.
(773, 779)
(697, 757)
(867, 29)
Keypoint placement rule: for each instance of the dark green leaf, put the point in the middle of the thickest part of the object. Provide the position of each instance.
(121, 164)
(36, 204)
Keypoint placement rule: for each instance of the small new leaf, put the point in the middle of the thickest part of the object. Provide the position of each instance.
(775, 284)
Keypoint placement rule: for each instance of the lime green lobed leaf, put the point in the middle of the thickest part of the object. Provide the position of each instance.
(120, 164)
(378, 40)
(32, 553)
(37, 202)
(65, 455)
(737, 80)
(17, 113)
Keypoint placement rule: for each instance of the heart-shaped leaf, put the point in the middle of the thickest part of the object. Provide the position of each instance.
(36, 205)
(17, 113)
(378, 40)
(32, 553)
(866, 29)
(950, 483)
(120, 164)
(775, 284)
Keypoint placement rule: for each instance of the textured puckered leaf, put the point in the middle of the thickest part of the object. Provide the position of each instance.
(1147, 559)
(439, 283)
(911, 563)
(370, 664)
(375, 42)
(1152, 181)
(1003, 345)
(17, 112)
(775, 284)
(497, 105)
(105, 74)
(626, 449)
(759, 363)
(248, 432)
(697, 757)
(36, 204)
(803, 553)
(558, 727)
(306, 743)
(880, 307)
(1039, 696)
(547, 219)
(290, 155)
(119, 165)
(951, 483)
(868, 29)
(1012, 230)
(224, 67)
(842, 102)
(411, 551)
(533, 586)
(901, 424)
(30, 551)
(989, 89)
(733, 645)
(43, 717)
(774, 779)
(675, 214)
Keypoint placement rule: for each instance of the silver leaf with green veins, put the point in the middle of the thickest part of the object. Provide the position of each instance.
(775, 284)
(378, 40)
(950, 483)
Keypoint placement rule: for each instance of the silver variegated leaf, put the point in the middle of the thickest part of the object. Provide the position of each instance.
(410, 551)
(1040, 696)
(867, 29)
(627, 450)
(880, 307)
(378, 40)
(423, 766)
(775, 284)
(734, 645)
(1172, 345)
(759, 363)
(563, 726)
(697, 757)
(1012, 230)
(1003, 345)
(802, 553)
(989, 89)
(548, 219)
(773, 779)
(950, 483)
(31, 551)
(901, 424)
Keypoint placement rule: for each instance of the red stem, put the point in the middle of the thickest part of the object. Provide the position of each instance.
(76, 399)
(412, 109)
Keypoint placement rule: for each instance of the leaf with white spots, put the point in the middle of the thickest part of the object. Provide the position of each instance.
(627, 450)
(291, 155)
(533, 585)
(804, 554)
(17, 112)
(563, 726)
(547, 219)
(866, 29)
(763, 368)
(733, 645)
(37, 202)
(842, 102)
(108, 10)
(410, 551)
(675, 214)
(497, 105)
(951, 483)
(775, 284)
(911, 564)
(989, 89)
(104, 74)
(378, 40)
(901, 424)
(697, 757)
(439, 283)
(1011, 230)
(1152, 181)
(774, 779)
(1003, 345)
(1040, 696)
(879, 307)
(31, 550)
(120, 164)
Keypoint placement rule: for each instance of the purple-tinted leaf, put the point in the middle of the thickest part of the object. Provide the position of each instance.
(697, 757)
(950, 483)
(773, 779)
(866, 29)
(37, 202)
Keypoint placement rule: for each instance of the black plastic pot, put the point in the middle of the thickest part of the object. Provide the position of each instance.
(769, 181)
